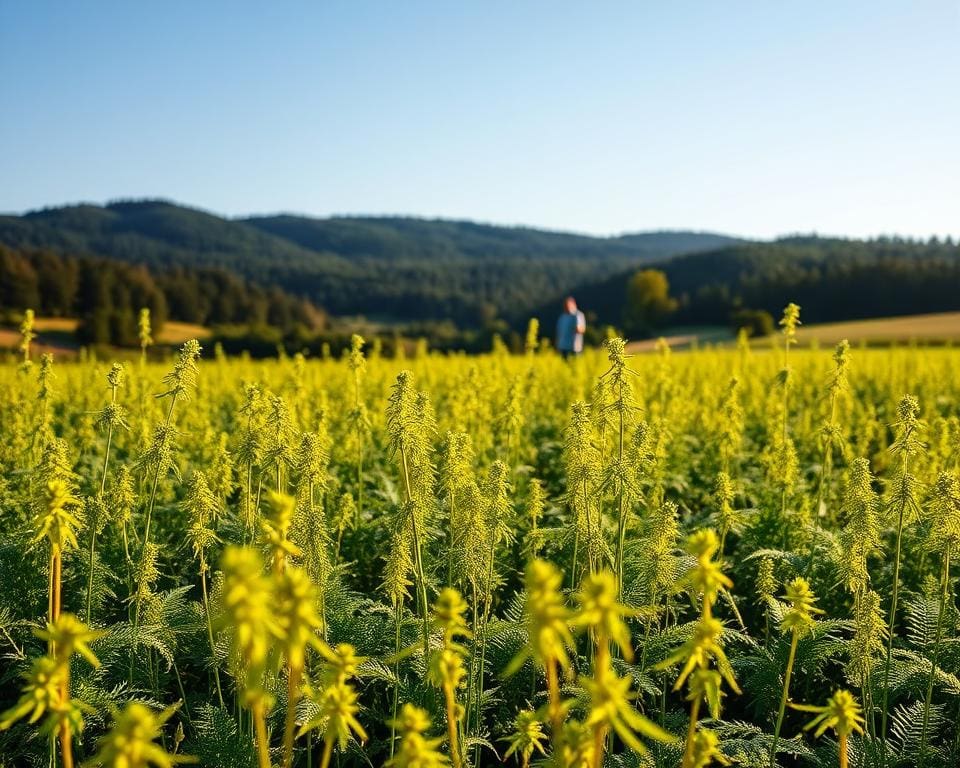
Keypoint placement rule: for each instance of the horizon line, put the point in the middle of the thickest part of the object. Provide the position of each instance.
(479, 222)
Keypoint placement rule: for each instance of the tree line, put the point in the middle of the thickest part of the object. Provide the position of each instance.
(107, 295)
(747, 284)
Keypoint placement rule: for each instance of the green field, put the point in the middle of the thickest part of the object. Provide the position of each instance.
(620, 561)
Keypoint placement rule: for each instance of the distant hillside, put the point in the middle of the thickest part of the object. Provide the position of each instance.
(393, 268)
(832, 280)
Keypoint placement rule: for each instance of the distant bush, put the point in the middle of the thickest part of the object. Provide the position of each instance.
(757, 322)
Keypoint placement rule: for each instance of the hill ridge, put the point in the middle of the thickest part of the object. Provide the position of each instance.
(409, 268)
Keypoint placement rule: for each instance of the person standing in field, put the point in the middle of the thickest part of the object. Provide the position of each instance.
(570, 329)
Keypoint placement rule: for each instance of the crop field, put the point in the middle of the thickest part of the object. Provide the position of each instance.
(713, 557)
(935, 329)
(938, 327)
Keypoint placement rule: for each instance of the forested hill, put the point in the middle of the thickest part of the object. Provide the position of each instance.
(401, 268)
(106, 296)
(832, 279)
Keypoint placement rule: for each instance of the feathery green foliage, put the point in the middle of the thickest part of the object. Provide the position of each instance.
(619, 561)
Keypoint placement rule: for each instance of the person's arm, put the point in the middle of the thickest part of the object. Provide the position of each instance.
(581, 322)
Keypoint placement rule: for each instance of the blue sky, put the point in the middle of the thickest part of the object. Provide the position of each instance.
(754, 118)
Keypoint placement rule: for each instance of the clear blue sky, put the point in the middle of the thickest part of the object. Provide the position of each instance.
(754, 118)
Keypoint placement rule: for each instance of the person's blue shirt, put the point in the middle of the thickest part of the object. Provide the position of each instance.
(570, 331)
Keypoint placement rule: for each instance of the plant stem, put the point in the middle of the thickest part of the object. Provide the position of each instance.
(553, 692)
(417, 556)
(206, 612)
(247, 513)
(826, 463)
(944, 588)
(156, 477)
(183, 694)
(481, 669)
(691, 732)
(327, 751)
(592, 535)
(103, 485)
(260, 729)
(356, 400)
(57, 579)
(450, 519)
(601, 661)
(396, 687)
(93, 549)
(621, 510)
(290, 722)
(50, 576)
(66, 740)
(473, 664)
(360, 482)
(576, 550)
(451, 702)
(783, 699)
(599, 734)
(146, 538)
(893, 620)
(66, 745)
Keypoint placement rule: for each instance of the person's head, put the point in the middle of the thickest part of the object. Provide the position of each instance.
(570, 304)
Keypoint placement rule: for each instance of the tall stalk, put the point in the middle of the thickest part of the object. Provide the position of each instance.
(110, 417)
(842, 713)
(161, 443)
(583, 467)
(398, 608)
(890, 634)
(446, 668)
(410, 423)
(260, 732)
(410, 426)
(549, 638)
(299, 622)
(831, 430)
(144, 332)
(454, 478)
(159, 454)
(498, 512)
(57, 522)
(938, 639)
(611, 712)
(201, 506)
(472, 671)
(417, 554)
(798, 619)
(482, 664)
(789, 323)
(781, 711)
(206, 611)
(705, 665)
(904, 499)
(621, 510)
(944, 537)
(249, 453)
(618, 475)
(601, 661)
(358, 416)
